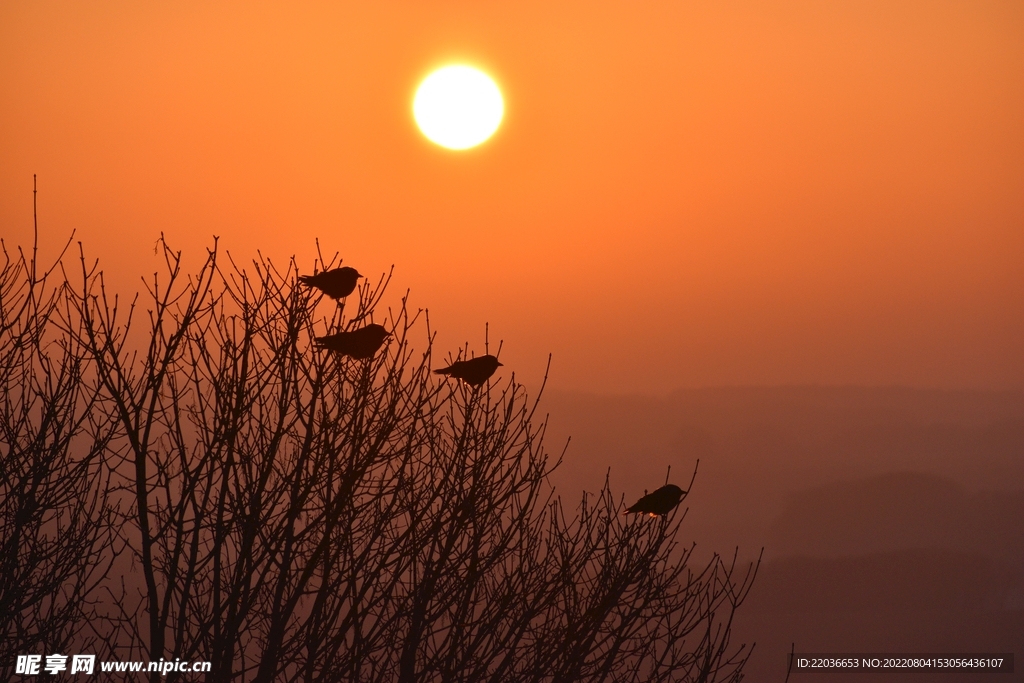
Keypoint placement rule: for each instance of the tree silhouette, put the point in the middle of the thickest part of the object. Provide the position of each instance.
(56, 541)
(296, 514)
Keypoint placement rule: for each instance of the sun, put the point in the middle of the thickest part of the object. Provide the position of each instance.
(458, 107)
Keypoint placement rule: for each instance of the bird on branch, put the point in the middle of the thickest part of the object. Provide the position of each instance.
(337, 283)
(473, 372)
(359, 344)
(659, 503)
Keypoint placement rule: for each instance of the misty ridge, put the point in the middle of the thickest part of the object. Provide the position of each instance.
(769, 449)
(272, 473)
(892, 519)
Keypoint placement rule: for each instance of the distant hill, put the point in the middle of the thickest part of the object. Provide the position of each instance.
(892, 519)
(899, 510)
(899, 580)
(758, 446)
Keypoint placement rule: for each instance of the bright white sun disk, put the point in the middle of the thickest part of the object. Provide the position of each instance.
(458, 107)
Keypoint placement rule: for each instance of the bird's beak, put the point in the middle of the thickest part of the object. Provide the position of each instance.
(501, 365)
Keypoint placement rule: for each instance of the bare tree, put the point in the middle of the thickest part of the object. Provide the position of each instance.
(295, 514)
(56, 542)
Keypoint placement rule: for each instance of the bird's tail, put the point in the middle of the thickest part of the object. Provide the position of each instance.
(306, 279)
(443, 371)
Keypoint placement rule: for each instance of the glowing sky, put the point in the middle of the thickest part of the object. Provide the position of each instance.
(680, 194)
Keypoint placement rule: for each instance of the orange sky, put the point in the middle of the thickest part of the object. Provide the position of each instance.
(681, 194)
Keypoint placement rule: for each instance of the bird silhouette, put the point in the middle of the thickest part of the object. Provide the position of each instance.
(658, 503)
(473, 372)
(337, 283)
(360, 344)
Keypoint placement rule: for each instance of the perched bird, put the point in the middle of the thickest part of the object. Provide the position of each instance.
(660, 502)
(473, 372)
(361, 343)
(337, 283)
